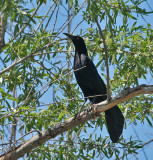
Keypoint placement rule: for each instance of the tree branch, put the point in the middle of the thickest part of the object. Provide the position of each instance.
(44, 16)
(123, 96)
(106, 59)
(146, 143)
(88, 113)
(39, 4)
(2, 30)
(23, 59)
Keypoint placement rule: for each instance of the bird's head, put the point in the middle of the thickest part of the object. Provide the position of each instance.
(77, 41)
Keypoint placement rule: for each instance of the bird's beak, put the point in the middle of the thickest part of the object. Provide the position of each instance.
(68, 35)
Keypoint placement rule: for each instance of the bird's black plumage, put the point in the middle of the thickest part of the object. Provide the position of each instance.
(91, 84)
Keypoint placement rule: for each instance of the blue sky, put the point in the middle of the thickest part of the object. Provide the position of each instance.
(144, 131)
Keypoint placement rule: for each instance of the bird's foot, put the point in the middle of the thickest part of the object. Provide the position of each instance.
(82, 106)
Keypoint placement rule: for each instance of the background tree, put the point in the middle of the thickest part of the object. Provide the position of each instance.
(37, 86)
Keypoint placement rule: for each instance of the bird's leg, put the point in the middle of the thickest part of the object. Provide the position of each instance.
(92, 102)
(85, 100)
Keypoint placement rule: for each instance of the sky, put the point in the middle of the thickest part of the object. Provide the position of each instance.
(141, 131)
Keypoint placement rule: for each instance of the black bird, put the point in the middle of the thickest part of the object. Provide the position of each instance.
(91, 84)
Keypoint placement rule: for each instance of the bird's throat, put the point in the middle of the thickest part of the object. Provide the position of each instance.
(77, 60)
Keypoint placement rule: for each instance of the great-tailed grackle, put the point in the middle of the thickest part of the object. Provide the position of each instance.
(91, 84)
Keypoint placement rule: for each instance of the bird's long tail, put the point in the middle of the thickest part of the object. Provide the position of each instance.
(115, 123)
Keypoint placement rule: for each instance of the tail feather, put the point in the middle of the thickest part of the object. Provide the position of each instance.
(115, 122)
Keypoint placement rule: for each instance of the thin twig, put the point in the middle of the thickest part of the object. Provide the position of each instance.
(26, 135)
(23, 59)
(71, 99)
(37, 54)
(77, 26)
(151, 140)
(48, 83)
(145, 155)
(87, 114)
(3, 142)
(63, 27)
(50, 16)
(55, 19)
(106, 59)
(45, 16)
(39, 4)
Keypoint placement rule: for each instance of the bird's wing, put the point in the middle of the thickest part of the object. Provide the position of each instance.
(93, 79)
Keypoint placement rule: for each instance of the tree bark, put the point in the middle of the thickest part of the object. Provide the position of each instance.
(88, 113)
(2, 31)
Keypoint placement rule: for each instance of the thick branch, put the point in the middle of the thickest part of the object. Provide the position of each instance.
(2, 30)
(123, 96)
(88, 113)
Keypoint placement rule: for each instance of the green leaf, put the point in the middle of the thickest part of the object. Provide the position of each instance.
(31, 10)
(129, 15)
(97, 65)
(25, 107)
(16, 30)
(62, 114)
(148, 120)
(14, 99)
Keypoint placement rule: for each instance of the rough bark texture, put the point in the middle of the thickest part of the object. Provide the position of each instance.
(2, 31)
(88, 113)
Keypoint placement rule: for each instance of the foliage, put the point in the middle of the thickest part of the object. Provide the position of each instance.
(41, 90)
